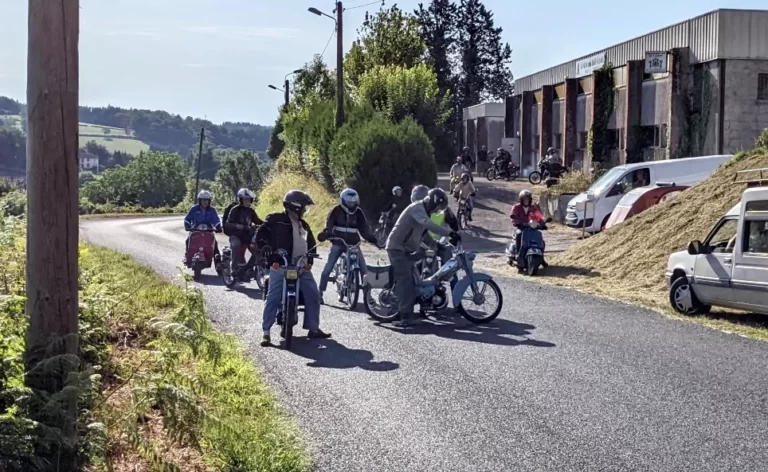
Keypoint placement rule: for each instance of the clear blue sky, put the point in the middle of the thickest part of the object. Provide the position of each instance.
(215, 58)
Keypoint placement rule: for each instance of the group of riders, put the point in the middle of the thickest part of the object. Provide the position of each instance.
(426, 218)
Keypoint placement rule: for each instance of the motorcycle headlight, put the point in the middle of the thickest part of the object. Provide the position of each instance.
(430, 253)
(353, 257)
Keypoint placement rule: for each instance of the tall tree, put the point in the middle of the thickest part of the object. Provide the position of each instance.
(276, 143)
(391, 37)
(483, 57)
(314, 81)
(439, 33)
(241, 169)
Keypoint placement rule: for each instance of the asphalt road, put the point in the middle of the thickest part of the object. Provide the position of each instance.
(559, 382)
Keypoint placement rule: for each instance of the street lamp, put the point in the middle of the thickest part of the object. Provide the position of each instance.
(287, 86)
(275, 88)
(339, 59)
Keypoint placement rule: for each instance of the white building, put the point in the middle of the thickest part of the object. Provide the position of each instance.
(88, 161)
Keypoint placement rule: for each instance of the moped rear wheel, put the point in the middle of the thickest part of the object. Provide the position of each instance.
(378, 303)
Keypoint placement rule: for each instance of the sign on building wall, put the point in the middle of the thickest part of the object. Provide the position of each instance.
(590, 64)
(655, 62)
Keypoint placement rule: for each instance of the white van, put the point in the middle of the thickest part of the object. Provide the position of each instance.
(730, 268)
(603, 196)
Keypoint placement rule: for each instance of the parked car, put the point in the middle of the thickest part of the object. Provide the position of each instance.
(598, 202)
(730, 267)
(641, 199)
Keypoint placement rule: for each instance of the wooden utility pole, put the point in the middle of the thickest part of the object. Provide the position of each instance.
(52, 189)
(287, 93)
(339, 65)
(199, 160)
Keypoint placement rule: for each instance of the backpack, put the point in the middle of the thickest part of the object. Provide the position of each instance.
(226, 216)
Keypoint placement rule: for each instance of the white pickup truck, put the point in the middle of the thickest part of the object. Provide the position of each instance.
(730, 268)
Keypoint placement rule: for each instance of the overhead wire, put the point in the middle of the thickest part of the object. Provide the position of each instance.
(366, 5)
(333, 32)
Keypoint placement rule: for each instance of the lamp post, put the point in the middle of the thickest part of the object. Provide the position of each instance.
(286, 86)
(339, 59)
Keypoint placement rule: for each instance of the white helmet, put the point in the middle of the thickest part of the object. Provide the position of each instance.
(395, 189)
(525, 193)
(245, 193)
(350, 200)
(204, 195)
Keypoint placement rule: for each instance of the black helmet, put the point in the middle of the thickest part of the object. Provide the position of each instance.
(297, 202)
(436, 200)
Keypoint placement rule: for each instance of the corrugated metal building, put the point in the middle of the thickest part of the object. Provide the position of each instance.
(699, 87)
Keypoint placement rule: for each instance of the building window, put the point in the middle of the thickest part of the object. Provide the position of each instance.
(581, 141)
(557, 141)
(762, 86)
(617, 138)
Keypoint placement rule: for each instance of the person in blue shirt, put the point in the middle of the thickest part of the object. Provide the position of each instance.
(203, 214)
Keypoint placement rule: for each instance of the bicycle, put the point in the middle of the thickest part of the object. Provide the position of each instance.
(347, 275)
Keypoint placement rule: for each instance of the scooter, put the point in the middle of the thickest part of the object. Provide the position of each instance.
(200, 250)
(532, 244)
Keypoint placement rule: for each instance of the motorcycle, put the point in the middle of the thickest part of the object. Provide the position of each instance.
(463, 212)
(292, 301)
(346, 274)
(200, 250)
(255, 268)
(433, 293)
(547, 170)
(532, 241)
(496, 171)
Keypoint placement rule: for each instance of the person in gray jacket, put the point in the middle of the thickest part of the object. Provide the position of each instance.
(405, 239)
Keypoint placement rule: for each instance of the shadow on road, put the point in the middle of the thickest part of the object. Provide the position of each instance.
(331, 354)
(482, 206)
(497, 332)
(562, 272)
(755, 320)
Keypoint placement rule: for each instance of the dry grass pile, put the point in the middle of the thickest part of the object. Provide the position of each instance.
(271, 197)
(628, 261)
(571, 183)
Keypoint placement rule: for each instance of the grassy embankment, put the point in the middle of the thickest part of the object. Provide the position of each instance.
(271, 197)
(172, 393)
(628, 261)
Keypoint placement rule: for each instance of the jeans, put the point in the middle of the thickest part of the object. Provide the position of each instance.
(333, 256)
(308, 293)
(236, 244)
(405, 284)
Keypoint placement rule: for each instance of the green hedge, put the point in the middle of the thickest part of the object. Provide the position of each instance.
(374, 155)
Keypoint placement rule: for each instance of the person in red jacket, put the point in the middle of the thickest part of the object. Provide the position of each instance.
(524, 212)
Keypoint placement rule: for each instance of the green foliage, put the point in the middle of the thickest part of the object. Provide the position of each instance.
(762, 141)
(391, 37)
(600, 138)
(86, 177)
(240, 169)
(151, 180)
(276, 143)
(13, 203)
(314, 82)
(439, 32)
(402, 92)
(13, 151)
(373, 156)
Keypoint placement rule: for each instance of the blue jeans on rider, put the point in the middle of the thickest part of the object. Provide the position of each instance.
(309, 294)
(333, 255)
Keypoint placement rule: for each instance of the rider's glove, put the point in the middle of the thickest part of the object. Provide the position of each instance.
(323, 236)
(218, 230)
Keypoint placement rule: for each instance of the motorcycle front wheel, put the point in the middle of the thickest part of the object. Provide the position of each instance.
(288, 317)
(378, 303)
(352, 289)
(490, 174)
(535, 177)
(228, 277)
(261, 274)
(478, 299)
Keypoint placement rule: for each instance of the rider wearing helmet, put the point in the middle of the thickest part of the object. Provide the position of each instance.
(465, 190)
(524, 212)
(346, 221)
(406, 238)
(203, 214)
(396, 204)
(241, 225)
(419, 193)
(289, 231)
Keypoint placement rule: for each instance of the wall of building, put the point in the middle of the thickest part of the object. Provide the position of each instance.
(745, 116)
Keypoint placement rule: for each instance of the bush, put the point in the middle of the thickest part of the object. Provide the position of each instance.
(375, 155)
(762, 141)
(151, 180)
(86, 177)
(14, 203)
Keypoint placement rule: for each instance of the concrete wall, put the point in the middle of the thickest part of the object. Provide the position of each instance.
(745, 116)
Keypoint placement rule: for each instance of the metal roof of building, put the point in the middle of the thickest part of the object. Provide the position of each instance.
(720, 34)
